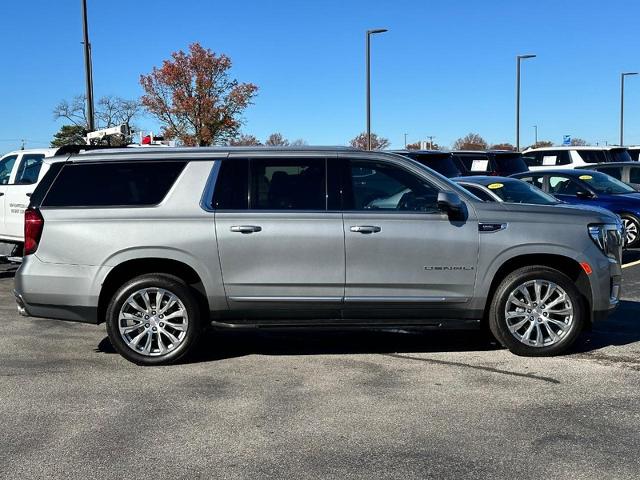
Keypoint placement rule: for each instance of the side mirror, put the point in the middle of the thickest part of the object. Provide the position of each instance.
(584, 195)
(450, 203)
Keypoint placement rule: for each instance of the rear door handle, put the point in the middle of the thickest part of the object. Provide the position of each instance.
(365, 228)
(1, 194)
(246, 228)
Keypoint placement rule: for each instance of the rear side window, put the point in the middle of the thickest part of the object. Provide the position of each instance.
(29, 169)
(112, 184)
(475, 163)
(510, 163)
(231, 191)
(634, 175)
(441, 163)
(619, 155)
(615, 172)
(593, 156)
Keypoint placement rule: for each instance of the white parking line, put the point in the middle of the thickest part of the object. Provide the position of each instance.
(632, 264)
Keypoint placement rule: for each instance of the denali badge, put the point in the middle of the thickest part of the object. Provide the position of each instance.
(448, 267)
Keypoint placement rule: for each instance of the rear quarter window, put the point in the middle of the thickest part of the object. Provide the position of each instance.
(112, 184)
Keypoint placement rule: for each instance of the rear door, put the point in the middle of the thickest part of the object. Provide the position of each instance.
(405, 258)
(281, 245)
(7, 165)
(18, 192)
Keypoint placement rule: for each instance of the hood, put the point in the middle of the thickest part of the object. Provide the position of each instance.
(544, 214)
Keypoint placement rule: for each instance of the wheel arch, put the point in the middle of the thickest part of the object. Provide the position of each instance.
(129, 269)
(566, 265)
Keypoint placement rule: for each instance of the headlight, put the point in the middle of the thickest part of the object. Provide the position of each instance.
(608, 238)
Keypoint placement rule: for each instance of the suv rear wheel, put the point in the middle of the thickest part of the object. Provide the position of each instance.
(153, 319)
(537, 311)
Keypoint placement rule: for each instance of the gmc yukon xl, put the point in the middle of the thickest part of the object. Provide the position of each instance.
(161, 243)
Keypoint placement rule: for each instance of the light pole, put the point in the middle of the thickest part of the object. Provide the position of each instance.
(535, 128)
(519, 58)
(88, 69)
(368, 67)
(622, 76)
(405, 141)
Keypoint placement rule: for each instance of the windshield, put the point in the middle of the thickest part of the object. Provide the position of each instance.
(516, 191)
(602, 183)
(441, 163)
(510, 163)
(619, 155)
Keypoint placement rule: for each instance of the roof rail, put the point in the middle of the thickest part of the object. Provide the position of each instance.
(73, 149)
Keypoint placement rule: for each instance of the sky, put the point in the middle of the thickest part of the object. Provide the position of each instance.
(445, 67)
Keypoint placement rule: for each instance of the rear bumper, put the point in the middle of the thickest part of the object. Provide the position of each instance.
(57, 291)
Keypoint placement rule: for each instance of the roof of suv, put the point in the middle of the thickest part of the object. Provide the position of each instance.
(577, 147)
(195, 152)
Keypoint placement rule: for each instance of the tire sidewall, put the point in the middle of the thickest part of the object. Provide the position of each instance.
(497, 320)
(167, 282)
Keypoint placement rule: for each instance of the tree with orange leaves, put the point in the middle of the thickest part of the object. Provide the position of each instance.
(194, 97)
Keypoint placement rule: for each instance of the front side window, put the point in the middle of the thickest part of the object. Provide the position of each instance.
(563, 186)
(29, 169)
(112, 184)
(535, 180)
(377, 186)
(6, 166)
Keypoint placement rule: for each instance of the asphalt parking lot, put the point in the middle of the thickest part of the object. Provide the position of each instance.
(320, 405)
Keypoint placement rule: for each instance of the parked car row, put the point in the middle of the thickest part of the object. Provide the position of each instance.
(162, 243)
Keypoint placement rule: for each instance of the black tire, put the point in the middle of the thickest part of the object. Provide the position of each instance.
(497, 317)
(632, 220)
(178, 288)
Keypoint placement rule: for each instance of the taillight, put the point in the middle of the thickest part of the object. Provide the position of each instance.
(33, 224)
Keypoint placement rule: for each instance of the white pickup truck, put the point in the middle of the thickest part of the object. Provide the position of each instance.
(20, 172)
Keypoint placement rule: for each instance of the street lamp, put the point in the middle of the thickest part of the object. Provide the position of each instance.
(519, 58)
(368, 67)
(535, 128)
(622, 75)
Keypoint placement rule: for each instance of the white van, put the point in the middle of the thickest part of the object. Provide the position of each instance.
(548, 158)
(20, 172)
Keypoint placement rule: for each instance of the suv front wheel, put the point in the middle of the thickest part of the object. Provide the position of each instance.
(537, 311)
(153, 319)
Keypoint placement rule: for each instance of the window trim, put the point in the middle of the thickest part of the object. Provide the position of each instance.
(17, 170)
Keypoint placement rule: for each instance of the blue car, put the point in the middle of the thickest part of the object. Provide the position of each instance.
(588, 187)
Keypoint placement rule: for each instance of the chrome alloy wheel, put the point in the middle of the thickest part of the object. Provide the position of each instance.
(630, 231)
(539, 313)
(153, 321)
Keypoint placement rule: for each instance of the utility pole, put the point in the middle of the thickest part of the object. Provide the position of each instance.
(368, 75)
(88, 69)
(405, 141)
(535, 127)
(519, 59)
(622, 77)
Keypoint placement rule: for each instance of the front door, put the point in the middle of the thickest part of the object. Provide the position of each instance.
(405, 257)
(18, 193)
(281, 249)
(6, 169)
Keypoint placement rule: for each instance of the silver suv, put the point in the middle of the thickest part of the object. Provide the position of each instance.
(161, 243)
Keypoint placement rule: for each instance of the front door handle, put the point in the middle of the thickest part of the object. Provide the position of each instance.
(29, 194)
(246, 228)
(1, 194)
(365, 228)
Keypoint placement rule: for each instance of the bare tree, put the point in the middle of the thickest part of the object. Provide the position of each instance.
(277, 140)
(377, 143)
(503, 146)
(111, 111)
(471, 141)
(244, 140)
(578, 142)
(300, 142)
